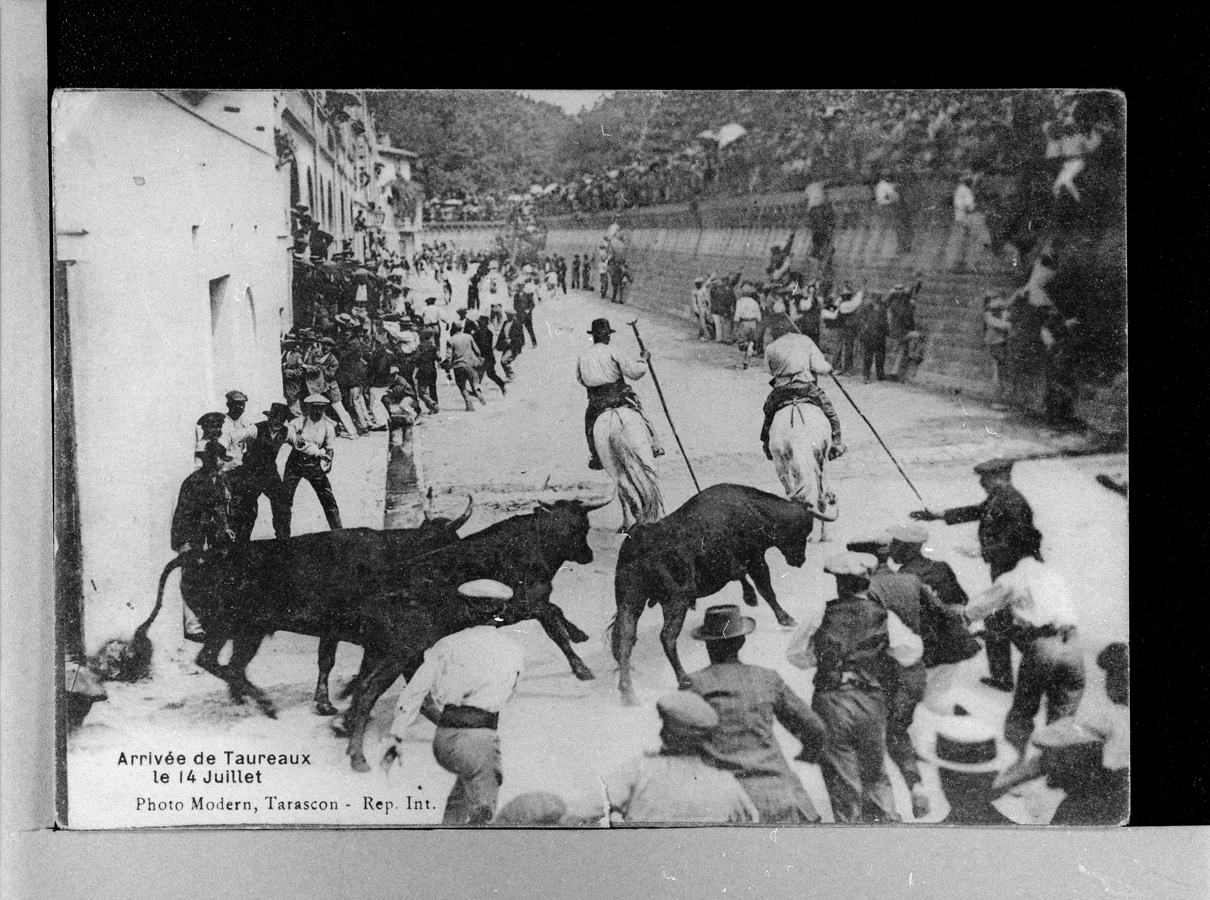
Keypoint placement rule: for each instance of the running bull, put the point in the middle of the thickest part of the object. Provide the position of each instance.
(293, 584)
(523, 552)
(719, 536)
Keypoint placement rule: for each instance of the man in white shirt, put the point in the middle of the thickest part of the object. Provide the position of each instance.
(747, 321)
(467, 678)
(794, 361)
(312, 440)
(1044, 629)
(603, 371)
(235, 434)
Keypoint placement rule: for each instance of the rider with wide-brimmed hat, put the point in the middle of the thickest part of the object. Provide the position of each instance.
(603, 371)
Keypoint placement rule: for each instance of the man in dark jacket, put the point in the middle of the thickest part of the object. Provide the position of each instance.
(901, 307)
(202, 519)
(575, 271)
(510, 343)
(748, 700)
(258, 475)
(854, 647)
(873, 328)
(1006, 521)
(722, 306)
(523, 306)
(913, 602)
(486, 342)
(426, 371)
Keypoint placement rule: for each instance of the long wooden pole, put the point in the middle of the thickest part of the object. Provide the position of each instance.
(664, 403)
(880, 440)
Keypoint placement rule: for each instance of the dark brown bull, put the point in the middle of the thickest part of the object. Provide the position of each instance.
(523, 552)
(719, 536)
(295, 584)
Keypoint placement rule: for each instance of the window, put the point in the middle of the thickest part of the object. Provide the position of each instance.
(310, 194)
(331, 217)
(295, 199)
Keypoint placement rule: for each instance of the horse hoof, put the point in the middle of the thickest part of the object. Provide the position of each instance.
(575, 635)
(359, 764)
(339, 728)
(786, 622)
(750, 601)
(324, 708)
(584, 673)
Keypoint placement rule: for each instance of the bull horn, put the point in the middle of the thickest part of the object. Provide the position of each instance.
(427, 505)
(461, 520)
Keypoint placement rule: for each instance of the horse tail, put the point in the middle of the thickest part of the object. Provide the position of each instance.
(636, 470)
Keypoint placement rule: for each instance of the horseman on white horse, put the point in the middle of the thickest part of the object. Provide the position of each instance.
(624, 441)
(801, 431)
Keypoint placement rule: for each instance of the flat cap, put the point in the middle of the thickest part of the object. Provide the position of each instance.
(318, 398)
(911, 533)
(237, 395)
(533, 808)
(687, 709)
(212, 419)
(869, 542)
(994, 466)
(486, 589)
(848, 563)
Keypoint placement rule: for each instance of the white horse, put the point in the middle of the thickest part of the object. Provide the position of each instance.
(799, 439)
(624, 446)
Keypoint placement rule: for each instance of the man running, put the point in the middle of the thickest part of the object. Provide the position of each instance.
(603, 371)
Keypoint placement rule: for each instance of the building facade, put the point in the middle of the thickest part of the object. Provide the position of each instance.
(174, 216)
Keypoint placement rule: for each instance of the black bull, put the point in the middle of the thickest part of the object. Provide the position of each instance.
(524, 552)
(717, 537)
(293, 584)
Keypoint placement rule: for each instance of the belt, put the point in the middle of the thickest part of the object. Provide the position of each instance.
(468, 717)
(848, 679)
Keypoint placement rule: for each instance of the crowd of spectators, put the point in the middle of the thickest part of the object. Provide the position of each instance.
(689, 145)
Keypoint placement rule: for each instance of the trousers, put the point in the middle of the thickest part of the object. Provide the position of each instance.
(246, 494)
(472, 754)
(1051, 667)
(780, 798)
(722, 329)
(873, 351)
(852, 758)
(468, 384)
(427, 383)
(378, 410)
(300, 467)
(902, 709)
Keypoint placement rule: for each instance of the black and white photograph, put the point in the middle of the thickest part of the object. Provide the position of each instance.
(591, 458)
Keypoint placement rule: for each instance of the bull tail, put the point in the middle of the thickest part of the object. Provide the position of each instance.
(135, 664)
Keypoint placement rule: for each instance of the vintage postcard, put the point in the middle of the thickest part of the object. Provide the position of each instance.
(590, 458)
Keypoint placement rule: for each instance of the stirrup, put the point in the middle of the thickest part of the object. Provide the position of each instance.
(658, 452)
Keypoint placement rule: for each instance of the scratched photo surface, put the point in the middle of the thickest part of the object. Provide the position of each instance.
(591, 458)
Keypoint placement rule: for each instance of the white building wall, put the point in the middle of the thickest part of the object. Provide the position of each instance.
(171, 197)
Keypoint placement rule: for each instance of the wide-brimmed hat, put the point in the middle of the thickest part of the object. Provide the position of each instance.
(278, 409)
(601, 326)
(962, 742)
(723, 622)
(212, 419)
